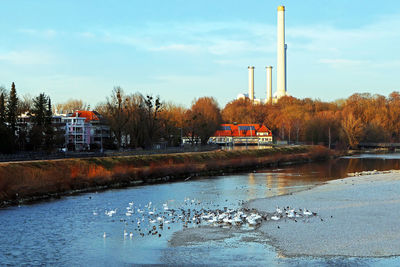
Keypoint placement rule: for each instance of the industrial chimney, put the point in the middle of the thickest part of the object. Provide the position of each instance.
(281, 56)
(251, 83)
(269, 84)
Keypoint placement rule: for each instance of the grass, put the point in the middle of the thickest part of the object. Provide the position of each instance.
(29, 179)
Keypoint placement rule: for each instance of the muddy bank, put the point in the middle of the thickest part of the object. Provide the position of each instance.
(36, 180)
(357, 217)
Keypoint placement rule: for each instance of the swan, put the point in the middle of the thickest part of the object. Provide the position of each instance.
(275, 218)
(307, 212)
(290, 214)
(251, 221)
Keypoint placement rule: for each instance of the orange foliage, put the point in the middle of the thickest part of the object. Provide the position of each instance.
(359, 118)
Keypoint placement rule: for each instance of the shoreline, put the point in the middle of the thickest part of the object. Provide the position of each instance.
(356, 218)
(29, 182)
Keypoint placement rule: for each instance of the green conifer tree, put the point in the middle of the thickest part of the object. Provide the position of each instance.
(2, 110)
(49, 130)
(12, 107)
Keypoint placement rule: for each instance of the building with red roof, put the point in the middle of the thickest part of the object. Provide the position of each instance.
(242, 134)
(85, 130)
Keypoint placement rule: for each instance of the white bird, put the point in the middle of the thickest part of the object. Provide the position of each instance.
(131, 235)
(237, 219)
(125, 233)
(104, 235)
(307, 212)
(94, 213)
(290, 214)
(278, 210)
(275, 218)
(251, 221)
(111, 212)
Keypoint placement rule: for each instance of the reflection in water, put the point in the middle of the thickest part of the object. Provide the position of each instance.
(269, 179)
(252, 182)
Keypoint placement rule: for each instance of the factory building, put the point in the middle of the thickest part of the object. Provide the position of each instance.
(281, 77)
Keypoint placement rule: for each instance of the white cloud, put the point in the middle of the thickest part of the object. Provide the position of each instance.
(88, 35)
(176, 47)
(47, 33)
(26, 57)
(215, 38)
(337, 62)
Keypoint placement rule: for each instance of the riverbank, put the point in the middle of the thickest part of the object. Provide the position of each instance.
(37, 180)
(357, 217)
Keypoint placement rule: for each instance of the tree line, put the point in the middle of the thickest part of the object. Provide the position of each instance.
(15, 135)
(141, 121)
(344, 122)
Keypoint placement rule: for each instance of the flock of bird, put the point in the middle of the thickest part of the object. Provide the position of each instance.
(149, 220)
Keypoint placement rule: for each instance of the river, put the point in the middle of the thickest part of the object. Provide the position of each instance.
(69, 231)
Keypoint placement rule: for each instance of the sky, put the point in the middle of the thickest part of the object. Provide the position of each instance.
(182, 50)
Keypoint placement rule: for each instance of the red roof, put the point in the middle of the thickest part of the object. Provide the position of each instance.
(89, 115)
(248, 129)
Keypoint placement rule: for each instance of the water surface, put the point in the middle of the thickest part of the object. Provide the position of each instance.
(69, 231)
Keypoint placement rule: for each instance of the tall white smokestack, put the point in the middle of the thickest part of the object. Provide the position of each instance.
(269, 84)
(251, 83)
(281, 56)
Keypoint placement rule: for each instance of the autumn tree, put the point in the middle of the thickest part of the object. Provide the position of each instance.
(353, 128)
(71, 106)
(203, 118)
(25, 104)
(134, 132)
(116, 113)
(152, 109)
(171, 121)
(237, 111)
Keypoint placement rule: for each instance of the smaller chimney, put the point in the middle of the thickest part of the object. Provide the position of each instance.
(269, 84)
(251, 83)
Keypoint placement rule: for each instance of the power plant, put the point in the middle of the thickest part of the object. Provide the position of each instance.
(281, 79)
